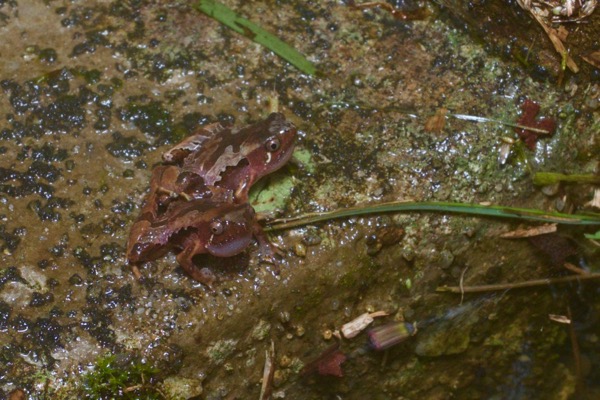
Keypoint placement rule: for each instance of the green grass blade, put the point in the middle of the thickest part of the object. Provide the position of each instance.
(593, 236)
(228, 17)
(442, 207)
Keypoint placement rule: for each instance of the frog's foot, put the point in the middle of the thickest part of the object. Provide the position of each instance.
(271, 254)
(267, 251)
(202, 275)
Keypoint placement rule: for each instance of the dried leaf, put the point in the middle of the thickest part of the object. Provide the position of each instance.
(437, 122)
(357, 325)
(593, 59)
(332, 365)
(561, 319)
(557, 43)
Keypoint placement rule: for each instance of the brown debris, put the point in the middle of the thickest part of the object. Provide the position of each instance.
(403, 15)
(593, 59)
(268, 373)
(437, 122)
(528, 118)
(329, 363)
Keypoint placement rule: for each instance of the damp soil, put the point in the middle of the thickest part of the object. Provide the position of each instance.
(93, 92)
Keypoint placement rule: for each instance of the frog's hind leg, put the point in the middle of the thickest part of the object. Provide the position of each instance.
(202, 275)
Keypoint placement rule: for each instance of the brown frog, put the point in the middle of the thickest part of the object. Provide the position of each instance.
(234, 159)
(247, 155)
(198, 226)
(207, 184)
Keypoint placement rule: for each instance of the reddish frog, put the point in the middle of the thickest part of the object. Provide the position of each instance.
(195, 227)
(204, 186)
(234, 159)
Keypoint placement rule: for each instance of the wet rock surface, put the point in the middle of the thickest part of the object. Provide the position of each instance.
(92, 93)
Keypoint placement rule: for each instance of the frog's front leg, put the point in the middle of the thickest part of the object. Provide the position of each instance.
(163, 181)
(192, 246)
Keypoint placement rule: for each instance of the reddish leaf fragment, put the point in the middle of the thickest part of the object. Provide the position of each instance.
(332, 365)
(528, 118)
(329, 363)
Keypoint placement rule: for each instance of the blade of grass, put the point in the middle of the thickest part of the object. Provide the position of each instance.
(228, 17)
(593, 236)
(443, 207)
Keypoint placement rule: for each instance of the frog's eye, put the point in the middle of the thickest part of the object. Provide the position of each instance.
(272, 144)
(216, 227)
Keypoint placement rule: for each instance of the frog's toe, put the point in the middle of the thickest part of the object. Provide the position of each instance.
(205, 276)
(202, 275)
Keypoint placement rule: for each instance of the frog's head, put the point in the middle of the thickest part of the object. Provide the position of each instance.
(268, 145)
(275, 138)
(231, 232)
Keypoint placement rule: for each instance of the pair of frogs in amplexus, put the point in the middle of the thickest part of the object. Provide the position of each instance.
(198, 198)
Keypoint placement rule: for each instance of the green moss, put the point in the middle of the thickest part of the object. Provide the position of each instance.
(219, 351)
(123, 378)
(271, 194)
(177, 388)
(305, 158)
(261, 330)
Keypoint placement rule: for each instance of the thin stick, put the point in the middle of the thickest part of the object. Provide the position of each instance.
(518, 285)
(462, 284)
(476, 118)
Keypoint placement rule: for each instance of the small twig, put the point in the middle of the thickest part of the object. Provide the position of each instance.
(132, 388)
(421, 13)
(475, 118)
(557, 43)
(384, 360)
(575, 269)
(462, 284)
(518, 285)
(268, 372)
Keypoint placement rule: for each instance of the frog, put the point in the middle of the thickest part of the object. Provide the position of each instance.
(169, 183)
(198, 226)
(206, 179)
(261, 148)
(235, 158)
